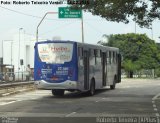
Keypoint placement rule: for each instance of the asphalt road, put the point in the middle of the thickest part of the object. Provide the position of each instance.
(133, 101)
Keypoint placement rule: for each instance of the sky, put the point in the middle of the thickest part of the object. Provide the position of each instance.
(12, 19)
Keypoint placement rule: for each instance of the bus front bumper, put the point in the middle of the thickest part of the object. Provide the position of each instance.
(63, 85)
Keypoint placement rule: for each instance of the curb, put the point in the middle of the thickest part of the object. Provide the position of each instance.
(17, 91)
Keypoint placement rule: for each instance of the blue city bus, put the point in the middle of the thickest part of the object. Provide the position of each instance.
(72, 66)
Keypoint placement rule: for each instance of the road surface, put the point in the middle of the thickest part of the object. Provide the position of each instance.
(133, 101)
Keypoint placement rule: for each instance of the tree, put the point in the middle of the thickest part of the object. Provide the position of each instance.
(138, 51)
(157, 71)
(130, 67)
(143, 12)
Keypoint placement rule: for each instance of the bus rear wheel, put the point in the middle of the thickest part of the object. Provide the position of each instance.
(58, 92)
(91, 92)
(112, 87)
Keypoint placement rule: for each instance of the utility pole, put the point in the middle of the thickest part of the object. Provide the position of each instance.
(2, 49)
(19, 52)
(82, 28)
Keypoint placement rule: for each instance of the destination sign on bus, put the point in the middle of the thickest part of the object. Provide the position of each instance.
(55, 52)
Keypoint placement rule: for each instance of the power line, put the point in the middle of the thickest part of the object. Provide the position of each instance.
(94, 28)
(62, 26)
(38, 17)
(20, 12)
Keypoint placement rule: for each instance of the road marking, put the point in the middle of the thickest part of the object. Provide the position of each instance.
(154, 106)
(6, 94)
(7, 103)
(100, 99)
(157, 115)
(155, 109)
(23, 90)
(76, 114)
(5, 100)
(68, 115)
(158, 120)
(156, 96)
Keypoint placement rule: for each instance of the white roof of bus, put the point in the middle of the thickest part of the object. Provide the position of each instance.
(86, 45)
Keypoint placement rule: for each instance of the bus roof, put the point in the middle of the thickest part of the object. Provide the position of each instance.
(84, 45)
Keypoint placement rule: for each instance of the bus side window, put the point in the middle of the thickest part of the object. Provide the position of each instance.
(107, 57)
(80, 56)
(97, 57)
(92, 57)
(91, 51)
(101, 55)
(110, 57)
(80, 52)
(114, 59)
(95, 54)
(98, 53)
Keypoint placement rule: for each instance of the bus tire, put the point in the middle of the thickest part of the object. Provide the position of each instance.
(58, 92)
(112, 87)
(91, 92)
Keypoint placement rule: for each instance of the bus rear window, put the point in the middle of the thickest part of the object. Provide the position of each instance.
(55, 52)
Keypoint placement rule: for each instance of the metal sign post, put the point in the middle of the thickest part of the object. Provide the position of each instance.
(41, 22)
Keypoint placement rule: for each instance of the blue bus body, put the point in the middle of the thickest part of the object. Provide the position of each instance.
(57, 75)
(69, 65)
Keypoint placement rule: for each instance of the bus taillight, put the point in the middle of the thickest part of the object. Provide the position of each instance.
(54, 78)
(39, 72)
(70, 72)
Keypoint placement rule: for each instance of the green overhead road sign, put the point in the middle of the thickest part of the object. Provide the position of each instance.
(66, 12)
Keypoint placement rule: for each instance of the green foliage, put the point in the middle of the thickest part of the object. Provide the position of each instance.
(130, 66)
(138, 51)
(142, 11)
(157, 72)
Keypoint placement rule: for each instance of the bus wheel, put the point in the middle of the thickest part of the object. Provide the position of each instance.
(112, 87)
(58, 92)
(92, 89)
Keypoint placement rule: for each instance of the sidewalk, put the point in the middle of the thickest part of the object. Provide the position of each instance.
(15, 87)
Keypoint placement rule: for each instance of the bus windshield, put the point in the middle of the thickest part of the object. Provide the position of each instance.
(57, 53)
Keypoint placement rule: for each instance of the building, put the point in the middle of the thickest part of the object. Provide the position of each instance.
(17, 53)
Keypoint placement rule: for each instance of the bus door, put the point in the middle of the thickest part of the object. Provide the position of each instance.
(86, 70)
(119, 68)
(104, 65)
